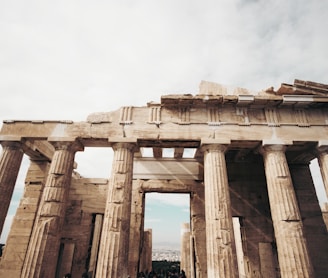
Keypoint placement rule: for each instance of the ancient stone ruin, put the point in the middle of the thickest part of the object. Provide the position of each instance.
(253, 206)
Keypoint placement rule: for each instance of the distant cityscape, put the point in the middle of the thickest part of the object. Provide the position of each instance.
(170, 255)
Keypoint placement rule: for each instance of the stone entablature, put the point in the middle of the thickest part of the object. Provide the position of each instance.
(184, 118)
(251, 156)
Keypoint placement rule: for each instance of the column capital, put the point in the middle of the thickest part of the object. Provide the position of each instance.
(215, 144)
(272, 148)
(14, 142)
(274, 145)
(127, 145)
(15, 145)
(68, 144)
(123, 142)
(214, 147)
(10, 138)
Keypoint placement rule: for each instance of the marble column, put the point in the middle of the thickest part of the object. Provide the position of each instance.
(66, 261)
(219, 230)
(137, 227)
(192, 256)
(114, 243)
(288, 228)
(10, 162)
(239, 247)
(147, 250)
(198, 229)
(185, 249)
(322, 155)
(95, 243)
(42, 252)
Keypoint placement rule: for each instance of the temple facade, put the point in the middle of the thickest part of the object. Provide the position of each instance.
(254, 211)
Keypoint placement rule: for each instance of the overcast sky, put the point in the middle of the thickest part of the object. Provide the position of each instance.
(63, 60)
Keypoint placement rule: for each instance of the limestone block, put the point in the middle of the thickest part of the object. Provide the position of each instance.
(211, 88)
(104, 117)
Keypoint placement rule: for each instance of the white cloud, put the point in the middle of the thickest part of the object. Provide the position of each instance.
(67, 59)
(86, 53)
(173, 199)
(94, 162)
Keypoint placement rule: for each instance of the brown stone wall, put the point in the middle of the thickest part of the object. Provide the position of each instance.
(86, 198)
(249, 201)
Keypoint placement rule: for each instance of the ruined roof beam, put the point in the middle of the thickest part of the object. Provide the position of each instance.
(178, 152)
(158, 152)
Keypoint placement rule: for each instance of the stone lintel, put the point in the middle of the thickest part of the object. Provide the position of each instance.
(35, 149)
(61, 139)
(64, 142)
(244, 100)
(218, 141)
(168, 142)
(297, 99)
(39, 149)
(166, 168)
(169, 186)
(115, 140)
(37, 121)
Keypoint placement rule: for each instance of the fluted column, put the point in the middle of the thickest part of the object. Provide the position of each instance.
(322, 155)
(114, 244)
(185, 249)
(288, 228)
(198, 229)
(95, 243)
(137, 227)
(146, 254)
(42, 252)
(192, 256)
(219, 229)
(10, 162)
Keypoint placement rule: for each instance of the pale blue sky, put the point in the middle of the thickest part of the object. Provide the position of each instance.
(63, 60)
(164, 214)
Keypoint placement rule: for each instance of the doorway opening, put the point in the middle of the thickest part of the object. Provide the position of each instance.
(166, 214)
